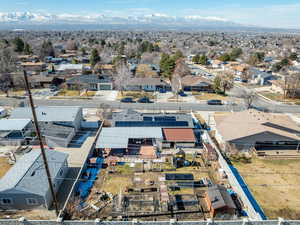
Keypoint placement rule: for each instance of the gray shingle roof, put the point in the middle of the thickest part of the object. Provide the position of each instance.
(89, 79)
(47, 113)
(117, 137)
(29, 175)
(13, 124)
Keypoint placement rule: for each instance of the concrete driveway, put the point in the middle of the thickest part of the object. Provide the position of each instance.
(106, 95)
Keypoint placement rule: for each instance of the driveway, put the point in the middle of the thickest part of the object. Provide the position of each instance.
(106, 95)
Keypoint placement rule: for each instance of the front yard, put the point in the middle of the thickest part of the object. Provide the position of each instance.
(135, 94)
(208, 96)
(279, 97)
(75, 93)
(275, 185)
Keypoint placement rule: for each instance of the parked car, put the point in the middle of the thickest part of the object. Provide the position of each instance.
(162, 90)
(144, 100)
(53, 88)
(182, 94)
(214, 102)
(127, 100)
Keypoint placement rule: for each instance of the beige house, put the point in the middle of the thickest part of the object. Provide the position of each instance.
(265, 133)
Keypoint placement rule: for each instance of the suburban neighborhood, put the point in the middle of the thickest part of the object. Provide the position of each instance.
(168, 127)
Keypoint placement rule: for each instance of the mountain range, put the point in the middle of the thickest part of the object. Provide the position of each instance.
(39, 21)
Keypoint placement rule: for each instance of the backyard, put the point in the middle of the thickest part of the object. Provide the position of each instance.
(275, 185)
(4, 165)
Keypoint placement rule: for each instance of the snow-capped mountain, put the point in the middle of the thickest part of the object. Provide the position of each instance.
(35, 18)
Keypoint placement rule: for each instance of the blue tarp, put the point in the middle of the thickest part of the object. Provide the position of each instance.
(82, 138)
(247, 192)
(85, 186)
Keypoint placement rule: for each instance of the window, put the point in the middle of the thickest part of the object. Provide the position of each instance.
(5, 201)
(31, 201)
(61, 172)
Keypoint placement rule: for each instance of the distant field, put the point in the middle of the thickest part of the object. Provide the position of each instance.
(275, 185)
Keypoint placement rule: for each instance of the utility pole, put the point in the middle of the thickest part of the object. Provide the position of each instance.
(37, 129)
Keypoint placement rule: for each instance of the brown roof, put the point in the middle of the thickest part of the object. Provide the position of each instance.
(193, 80)
(33, 64)
(179, 134)
(242, 124)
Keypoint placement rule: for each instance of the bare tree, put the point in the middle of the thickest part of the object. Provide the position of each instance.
(181, 68)
(71, 45)
(104, 113)
(7, 65)
(176, 84)
(150, 58)
(249, 97)
(122, 77)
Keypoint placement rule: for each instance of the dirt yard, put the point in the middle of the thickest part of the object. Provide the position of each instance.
(275, 185)
(4, 166)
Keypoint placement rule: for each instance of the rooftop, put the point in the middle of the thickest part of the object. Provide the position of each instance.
(13, 124)
(117, 137)
(47, 113)
(179, 134)
(29, 168)
(246, 123)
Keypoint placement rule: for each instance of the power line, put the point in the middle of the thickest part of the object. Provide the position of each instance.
(41, 144)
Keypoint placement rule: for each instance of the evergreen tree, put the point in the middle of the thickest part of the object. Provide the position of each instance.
(19, 44)
(95, 58)
(47, 50)
(27, 49)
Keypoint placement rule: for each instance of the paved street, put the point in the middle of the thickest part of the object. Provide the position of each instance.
(259, 103)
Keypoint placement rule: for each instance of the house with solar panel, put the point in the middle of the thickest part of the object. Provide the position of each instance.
(25, 185)
(58, 124)
(267, 134)
(177, 128)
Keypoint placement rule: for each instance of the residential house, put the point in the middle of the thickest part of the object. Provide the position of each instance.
(25, 185)
(40, 81)
(15, 131)
(264, 133)
(147, 84)
(196, 83)
(70, 68)
(217, 64)
(34, 66)
(91, 82)
(122, 141)
(58, 124)
(131, 118)
(260, 77)
(28, 58)
(219, 201)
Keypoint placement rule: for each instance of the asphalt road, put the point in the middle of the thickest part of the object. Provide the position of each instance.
(114, 104)
(259, 103)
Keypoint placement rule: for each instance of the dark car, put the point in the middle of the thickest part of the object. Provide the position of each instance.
(144, 100)
(182, 94)
(127, 100)
(162, 90)
(214, 102)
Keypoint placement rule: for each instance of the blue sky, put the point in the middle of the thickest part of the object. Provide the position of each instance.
(271, 13)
